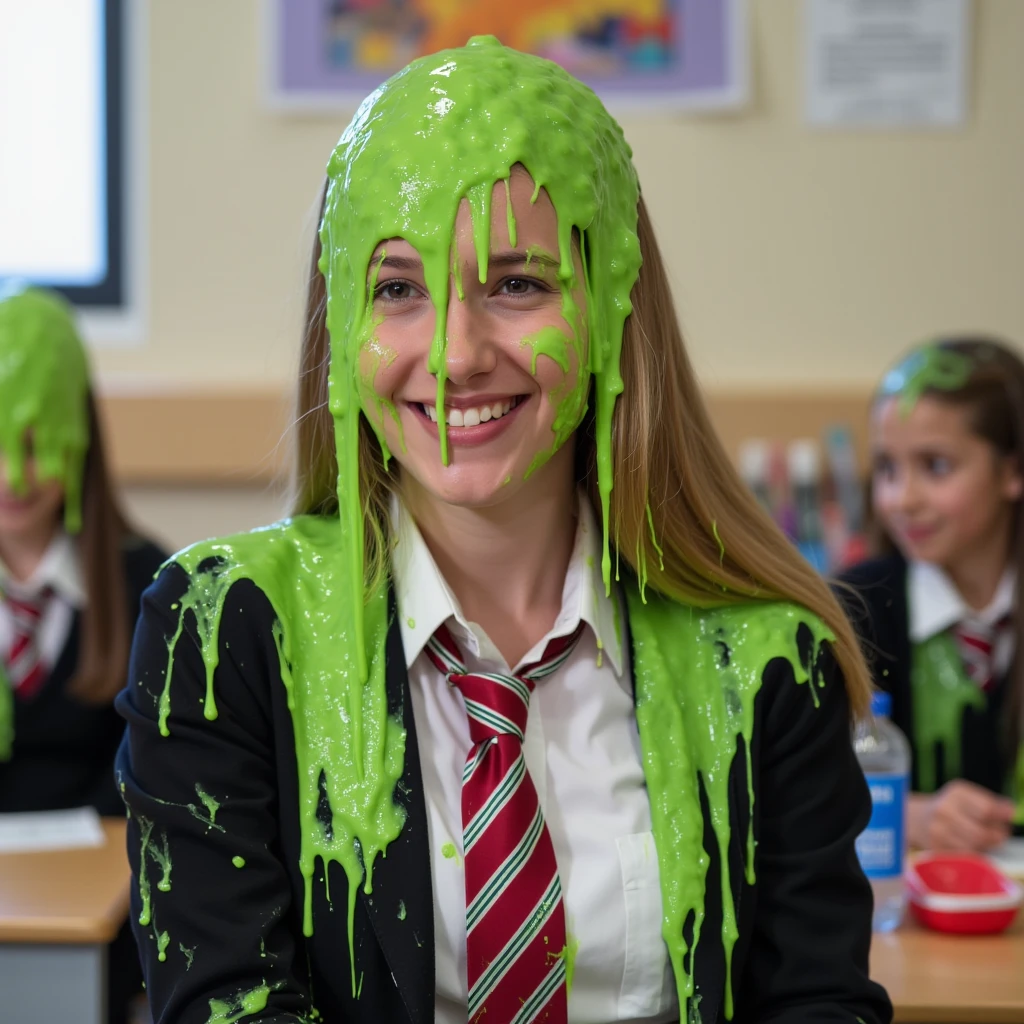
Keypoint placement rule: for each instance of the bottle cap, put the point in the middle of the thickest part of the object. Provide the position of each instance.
(881, 705)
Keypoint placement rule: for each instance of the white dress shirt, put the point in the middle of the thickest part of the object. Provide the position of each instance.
(935, 605)
(61, 571)
(582, 750)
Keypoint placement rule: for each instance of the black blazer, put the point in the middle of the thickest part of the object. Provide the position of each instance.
(879, 612)
(63, 754)
(804, 927)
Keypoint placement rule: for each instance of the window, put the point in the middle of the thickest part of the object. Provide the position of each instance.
(62, 147)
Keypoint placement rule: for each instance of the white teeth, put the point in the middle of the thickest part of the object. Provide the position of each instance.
(473, 417)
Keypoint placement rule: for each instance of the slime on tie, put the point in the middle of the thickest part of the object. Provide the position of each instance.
(44, 381)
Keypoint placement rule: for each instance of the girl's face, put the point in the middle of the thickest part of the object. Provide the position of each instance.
(940, 491)
(512, 359)
(36, 508)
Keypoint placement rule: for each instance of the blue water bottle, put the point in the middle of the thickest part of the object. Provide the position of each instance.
(884, 756)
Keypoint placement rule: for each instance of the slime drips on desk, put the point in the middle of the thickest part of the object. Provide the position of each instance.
(447, 128)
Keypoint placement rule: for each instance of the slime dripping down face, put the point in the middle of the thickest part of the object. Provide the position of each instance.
(515, 355)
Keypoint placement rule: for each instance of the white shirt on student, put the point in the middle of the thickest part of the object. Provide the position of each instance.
(935, 605)
(61, 570)
(582, 750)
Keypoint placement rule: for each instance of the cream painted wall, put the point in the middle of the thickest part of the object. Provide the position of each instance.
(799, 258)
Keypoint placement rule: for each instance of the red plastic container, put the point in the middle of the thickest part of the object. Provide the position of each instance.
(962, 893)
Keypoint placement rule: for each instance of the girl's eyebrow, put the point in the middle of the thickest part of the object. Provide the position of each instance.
(511, 258)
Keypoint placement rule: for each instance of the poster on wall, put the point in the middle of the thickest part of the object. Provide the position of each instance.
(886, 63)
(681, 54)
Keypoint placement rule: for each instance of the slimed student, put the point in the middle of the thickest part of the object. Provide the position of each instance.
(940, 614)
(71, 575)
(529, 713)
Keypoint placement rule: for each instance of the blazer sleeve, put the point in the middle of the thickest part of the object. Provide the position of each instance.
(199, 798)
(808, 955)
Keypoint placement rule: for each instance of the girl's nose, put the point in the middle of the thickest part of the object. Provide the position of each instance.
(470, 347)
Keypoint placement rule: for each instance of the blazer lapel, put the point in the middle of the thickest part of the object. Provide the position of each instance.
(401, 905)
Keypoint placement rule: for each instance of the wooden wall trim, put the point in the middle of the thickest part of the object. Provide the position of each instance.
(237, 439)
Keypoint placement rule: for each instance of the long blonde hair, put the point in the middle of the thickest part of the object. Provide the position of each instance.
(717, 545)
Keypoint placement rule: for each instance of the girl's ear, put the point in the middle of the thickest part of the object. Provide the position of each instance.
(1012, 486)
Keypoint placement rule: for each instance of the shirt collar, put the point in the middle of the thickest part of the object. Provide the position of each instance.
(60, 569)
(936, 604)
(425, 601)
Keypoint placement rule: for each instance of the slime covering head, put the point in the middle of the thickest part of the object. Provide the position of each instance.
(44, 380)
(447, 128)
(932, 367)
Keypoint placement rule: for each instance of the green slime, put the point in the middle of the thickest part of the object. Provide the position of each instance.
(941, 692)
(697, 672)
(929, 368)
(6, 717)
(243, 1005)
(44, 381)
(446, 128)
(343, 733)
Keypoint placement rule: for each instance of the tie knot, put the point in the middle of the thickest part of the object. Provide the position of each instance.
(497, 704)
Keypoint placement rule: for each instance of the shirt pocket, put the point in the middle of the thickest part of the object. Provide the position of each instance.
(643, 977)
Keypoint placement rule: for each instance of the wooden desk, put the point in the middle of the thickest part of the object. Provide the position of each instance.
(946, 979)
(58, 911)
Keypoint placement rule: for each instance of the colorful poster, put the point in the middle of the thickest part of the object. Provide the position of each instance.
(667, 53)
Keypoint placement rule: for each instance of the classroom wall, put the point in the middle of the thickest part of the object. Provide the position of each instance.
(799, 258)
(803, 261)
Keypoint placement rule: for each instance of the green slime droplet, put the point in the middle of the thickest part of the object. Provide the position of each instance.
(1017, 787)
(690, 732)
(941, 693)
(568, 954)
(401, 910)
(245, 1003)
(930, 368)
(212, 805)
(239, 862)
(6, 717)
(188, 954)
(44, 380)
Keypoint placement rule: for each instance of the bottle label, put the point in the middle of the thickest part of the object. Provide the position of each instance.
(880, 846)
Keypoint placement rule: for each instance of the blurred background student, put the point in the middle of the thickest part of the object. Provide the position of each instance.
(71, 575)
(940, 617)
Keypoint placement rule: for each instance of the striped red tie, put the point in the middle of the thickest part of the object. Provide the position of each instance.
(976, 649)
(515, 921)
(24, 667)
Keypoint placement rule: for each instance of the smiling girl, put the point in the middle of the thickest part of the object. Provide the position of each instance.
(529, 714)
(941, 614)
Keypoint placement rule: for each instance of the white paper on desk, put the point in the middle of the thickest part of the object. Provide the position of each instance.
(1009, 857)
(50, 830)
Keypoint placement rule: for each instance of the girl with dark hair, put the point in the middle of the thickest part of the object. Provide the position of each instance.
(940, 613)
(71, 575)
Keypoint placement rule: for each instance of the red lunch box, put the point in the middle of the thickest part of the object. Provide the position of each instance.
(963, 893)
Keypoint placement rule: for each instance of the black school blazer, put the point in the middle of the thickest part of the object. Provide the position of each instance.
(880, 614)
(804, 928)
(64, 749)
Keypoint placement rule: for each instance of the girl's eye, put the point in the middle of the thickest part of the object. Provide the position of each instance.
(518, 286)
(394, 291)
(938, 465)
